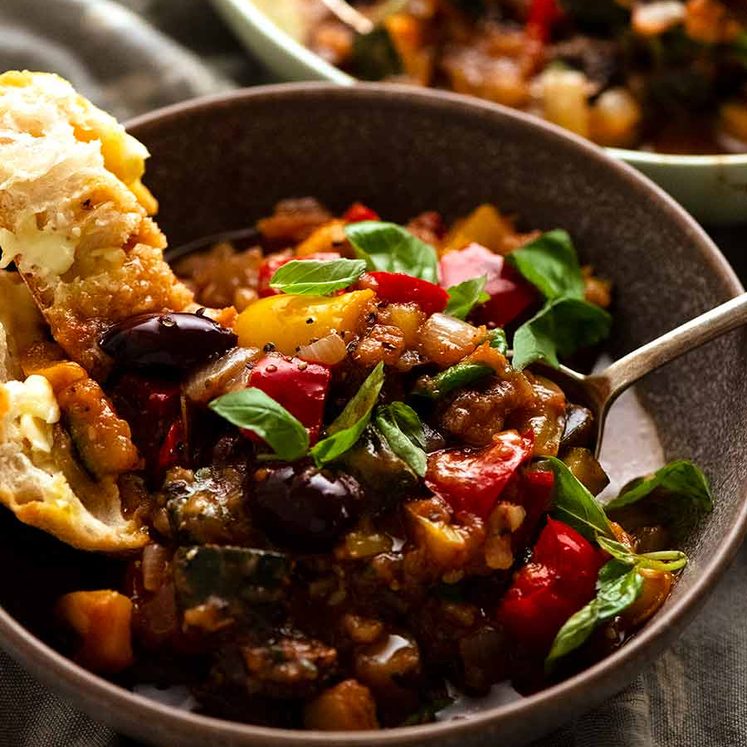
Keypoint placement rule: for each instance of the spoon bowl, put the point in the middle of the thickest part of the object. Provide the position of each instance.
(598, 391)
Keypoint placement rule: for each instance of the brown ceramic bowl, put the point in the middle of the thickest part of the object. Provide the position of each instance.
(221, 163)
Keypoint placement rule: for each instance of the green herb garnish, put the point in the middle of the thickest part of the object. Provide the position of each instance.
(662, 560)
(618, 587)
(677, 495)
(619, 580)
(681, 478)
(566, 322)
(258, 412)
(402, 428)
(347, 428)
(558, 329)
(388, 247)
(550, 264)
(575, 505)
(315, 277)
(464, 296)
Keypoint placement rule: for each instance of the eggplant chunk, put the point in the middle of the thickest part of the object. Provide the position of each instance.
(385, 478)
(587, 470)
(579, 426)
(207, 506)
(232, 581)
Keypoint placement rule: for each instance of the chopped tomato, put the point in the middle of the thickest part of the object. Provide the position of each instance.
(151, 406)
(173, 450)
(397, 287)
(534, 492)
(471, 480)
(558, 581)
(358, 212)
(273, 262)
(298, 386)
(510, 295)
(543, 15)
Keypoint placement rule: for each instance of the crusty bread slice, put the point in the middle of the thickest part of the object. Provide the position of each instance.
(40, 479)
(74, 214)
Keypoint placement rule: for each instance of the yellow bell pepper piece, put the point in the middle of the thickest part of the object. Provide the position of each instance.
(329, 237)
(288, 321)
(484, 225)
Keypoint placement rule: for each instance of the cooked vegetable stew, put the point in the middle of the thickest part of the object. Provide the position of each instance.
(364, 496)
(663, 75)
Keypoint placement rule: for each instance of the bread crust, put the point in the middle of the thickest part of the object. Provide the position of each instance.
(74, 218)
(74, 215)
(40, 478)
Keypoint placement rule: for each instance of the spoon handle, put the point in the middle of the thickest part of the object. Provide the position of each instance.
(704, 328)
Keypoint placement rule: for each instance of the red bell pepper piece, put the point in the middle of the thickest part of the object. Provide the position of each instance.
(510, 295)
(558, 581)
(300, 387)
(173, 450)
(543, 15)
(271, 264)
(150, 406)
(471, 480)
(533, 489)
(397, 287)
(358, 212)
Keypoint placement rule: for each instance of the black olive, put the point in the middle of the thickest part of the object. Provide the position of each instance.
(303, 506)
(176, 341)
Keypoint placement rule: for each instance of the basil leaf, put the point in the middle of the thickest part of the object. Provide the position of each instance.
(464, 296)
(617, 550)
(663, 560)
(677, 495)
(390, 248)
(551, 265)
(611, 570)
(680, 478)
(316, 277)
(347, 428)
(566, 322)
(618, 591)
(253, 409)
(560, 328)
(575, 505)
(402, 428)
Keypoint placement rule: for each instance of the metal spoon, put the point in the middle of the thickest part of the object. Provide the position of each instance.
(364, 23)
(599, 390)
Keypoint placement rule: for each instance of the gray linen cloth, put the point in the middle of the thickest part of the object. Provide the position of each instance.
(176, 49)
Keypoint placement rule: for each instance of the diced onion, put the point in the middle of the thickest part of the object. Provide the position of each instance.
(565, 99)
(155, 561)
(615, 117)
(226, 374)
(652, 19)
(328, 350)
(446, 340)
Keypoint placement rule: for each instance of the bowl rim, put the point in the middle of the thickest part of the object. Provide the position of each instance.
(286, 44)
(106, 698)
